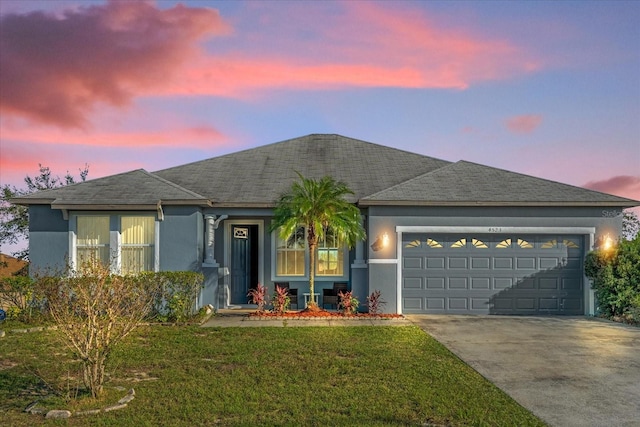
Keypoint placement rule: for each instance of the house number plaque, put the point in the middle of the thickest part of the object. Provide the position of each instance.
(241, 233)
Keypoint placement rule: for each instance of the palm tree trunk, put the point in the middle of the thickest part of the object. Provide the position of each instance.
(312, 273)
(312, 241)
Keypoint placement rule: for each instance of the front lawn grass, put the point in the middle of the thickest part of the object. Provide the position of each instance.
(311, 376)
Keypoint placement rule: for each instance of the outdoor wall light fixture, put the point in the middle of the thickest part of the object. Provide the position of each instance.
(607, 243)
(604, 243)
(381, 242)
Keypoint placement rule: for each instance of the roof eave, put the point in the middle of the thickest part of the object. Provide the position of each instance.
(620, 204)
(261, 205)
(30, 201)
(129, 206)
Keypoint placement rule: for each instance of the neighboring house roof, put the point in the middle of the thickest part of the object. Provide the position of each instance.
(378, 175)
(9, 265)
(465, 183)
(137, 189)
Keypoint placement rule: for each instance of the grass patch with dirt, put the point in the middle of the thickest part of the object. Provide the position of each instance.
(190, 376)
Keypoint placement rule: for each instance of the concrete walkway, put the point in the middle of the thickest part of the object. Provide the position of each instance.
(570, 372)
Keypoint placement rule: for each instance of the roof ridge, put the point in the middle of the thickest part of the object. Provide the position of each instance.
(411, 179)
(271, 144)
(173, 184)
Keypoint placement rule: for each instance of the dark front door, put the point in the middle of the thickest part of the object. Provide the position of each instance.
(244, 261)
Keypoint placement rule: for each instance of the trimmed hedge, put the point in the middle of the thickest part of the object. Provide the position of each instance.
(175, 294)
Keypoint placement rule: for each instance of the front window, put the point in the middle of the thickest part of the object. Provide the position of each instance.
(290, 254)
(138, 238)
(330, 256)
(93, 239)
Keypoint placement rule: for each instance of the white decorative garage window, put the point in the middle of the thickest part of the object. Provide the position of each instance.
(506, 243)
(524, 244)
(92, 243)
(433, 243)
(477, 243)
(554, 243)
(461, 243)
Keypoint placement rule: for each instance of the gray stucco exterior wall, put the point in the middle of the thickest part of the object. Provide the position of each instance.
(384, 262)
(48, 239)
(181, 239)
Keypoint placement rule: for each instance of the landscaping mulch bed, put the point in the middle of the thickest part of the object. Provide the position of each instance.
(321, 314)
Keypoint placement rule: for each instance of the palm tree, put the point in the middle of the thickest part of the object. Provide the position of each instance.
(319, 205)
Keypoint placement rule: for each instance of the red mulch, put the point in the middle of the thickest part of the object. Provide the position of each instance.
(319, 313)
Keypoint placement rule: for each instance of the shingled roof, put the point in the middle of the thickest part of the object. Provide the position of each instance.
(378, 175)
(135, 189)
(465, 183)
(258, 176)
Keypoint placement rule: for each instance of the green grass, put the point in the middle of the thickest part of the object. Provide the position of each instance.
(341, 376)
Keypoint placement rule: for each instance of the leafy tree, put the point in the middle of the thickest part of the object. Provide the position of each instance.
(319, 205)
(14, 219)
(630, 225)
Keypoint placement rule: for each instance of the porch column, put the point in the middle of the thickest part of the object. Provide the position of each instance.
(359, 258)
(211, 224)
(359, 273)
(210, 233)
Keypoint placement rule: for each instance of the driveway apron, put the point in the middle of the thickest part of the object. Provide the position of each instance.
(568, 371)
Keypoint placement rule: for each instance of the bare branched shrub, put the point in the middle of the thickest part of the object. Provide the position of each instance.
(94, 310)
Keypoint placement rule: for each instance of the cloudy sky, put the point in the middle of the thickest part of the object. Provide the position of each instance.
(550, 89)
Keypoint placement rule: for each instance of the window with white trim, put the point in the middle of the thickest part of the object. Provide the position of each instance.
(290, 254)
(330, 255)
(137, 244)
(92, 239)
(126, 242)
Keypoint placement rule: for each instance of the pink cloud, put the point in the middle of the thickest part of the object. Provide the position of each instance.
(59, 68)
(524, 124)
(621, 185)
(191, 137)
(56, 69)
(367, 45)
(18, 159)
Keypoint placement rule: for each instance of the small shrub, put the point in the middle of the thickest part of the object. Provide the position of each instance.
(174, 294)
(20, 294)
(375, 303)
(258, 296)
(348, 304)
(94, 310)
(281, 300)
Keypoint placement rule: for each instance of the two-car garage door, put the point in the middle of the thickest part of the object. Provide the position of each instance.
(492, 274)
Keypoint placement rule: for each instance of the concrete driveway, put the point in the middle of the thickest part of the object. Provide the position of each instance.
(568, 371)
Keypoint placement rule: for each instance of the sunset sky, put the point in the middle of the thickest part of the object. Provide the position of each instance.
(550, 89)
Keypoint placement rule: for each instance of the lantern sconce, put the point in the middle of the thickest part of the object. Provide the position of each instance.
(607, 243)
(381, 242)
(604, 243)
